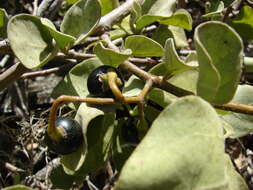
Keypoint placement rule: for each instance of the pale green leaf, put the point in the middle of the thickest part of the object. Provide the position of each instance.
(186, 80)
(81, 19)
(243, 23)
(136, 12)
(172, 61)
(75, 83)
(165, 151)
(64, 41)
(143, 46)
(108, 5)
(220, 55)
(30, 40)
(133, 87)
(73, 162)
(180, 18)
(179, 36)
(235, 180)
(111, 57)
(240, 124)
(100, 138)
(154, 10)
(164, 32)
(215, 10)
(192, 59)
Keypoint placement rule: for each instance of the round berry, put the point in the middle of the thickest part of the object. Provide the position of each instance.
(97, 86)
(70, 141)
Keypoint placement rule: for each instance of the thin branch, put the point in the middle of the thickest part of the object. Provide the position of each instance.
(35, 7)
(44, 5)
(234, 107)
(110, 44)
(11, 75)
(13, 168)
(115, 16)
(41, 174)
(47, 71)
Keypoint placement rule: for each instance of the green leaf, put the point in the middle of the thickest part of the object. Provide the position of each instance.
(179, 36)
(122, 149)
(133, 86)
(235, 179)
(17, 187)
(167, 162)
(108, 5)
(215, 10)
(192, 59)
(143, 46)
(136, 12)
(100, 138)
(164, 32)
(158, 7)
(73, 162)
(219, 49)
(180, 18)
(241, 124)
(62, 180)
(151, 113)
(64, 41)
(3, 23)
(75, 83)
(111, 57)
(215, 3)
(172, 61)
(71, 1)
(243, 23)
(81, 19)
(155, 10)
(30, 40)
(186, 80)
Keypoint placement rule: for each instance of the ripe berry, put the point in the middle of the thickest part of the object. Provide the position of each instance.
(97, 86)
(70, 141)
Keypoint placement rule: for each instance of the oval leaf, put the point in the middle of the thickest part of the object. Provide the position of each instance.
(241, 124)
(235, 179)
(73, 162)
(154, 11)
(186, 80)
(64, 41)
(243, 23)
(111, 57)
(3, 23)
(219, 49)
(172, 60)
(180, 18)
(142, 46)
(100, 141)
(30, 40)
(108, 5)
(164, 32)
(75, 83)
(81, 19)
(162, 160)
